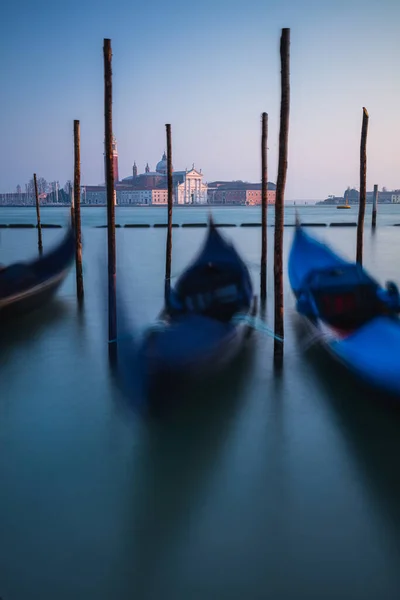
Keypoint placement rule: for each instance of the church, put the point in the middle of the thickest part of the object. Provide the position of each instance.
(188, 187)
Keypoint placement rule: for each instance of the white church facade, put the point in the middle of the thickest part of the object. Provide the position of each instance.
(191, 190)
(188, 186)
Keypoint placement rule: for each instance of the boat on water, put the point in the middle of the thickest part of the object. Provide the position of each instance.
(200, 330)
(352, 315)
(345, 205)
(25, 286)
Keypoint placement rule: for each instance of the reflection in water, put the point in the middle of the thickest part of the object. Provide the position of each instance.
(248, 491)
(26, 328)
(80, 313)
(178, 459)
(369, 422)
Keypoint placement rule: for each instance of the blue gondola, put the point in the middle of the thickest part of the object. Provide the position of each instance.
(197, 333)
(217, 284)
(25, 286)
(352, 314)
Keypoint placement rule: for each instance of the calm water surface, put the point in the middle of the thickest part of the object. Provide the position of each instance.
(264, 487)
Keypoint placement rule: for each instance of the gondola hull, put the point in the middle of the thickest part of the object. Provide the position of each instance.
(186, 351)
(216, 284)
(31, 299)
(25, 287)
(369, 349)
(199, 332)
(157, 366)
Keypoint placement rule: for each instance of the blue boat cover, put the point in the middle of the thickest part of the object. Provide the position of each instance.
(343, 295)
(373, 352)
(217, 284)
(308, 255)
(339, 278)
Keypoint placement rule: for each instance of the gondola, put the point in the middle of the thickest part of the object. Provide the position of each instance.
(217, 284)
(25, 286)
(200, 329)
(352, 315)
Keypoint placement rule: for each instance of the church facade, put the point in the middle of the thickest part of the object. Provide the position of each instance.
(188, 186)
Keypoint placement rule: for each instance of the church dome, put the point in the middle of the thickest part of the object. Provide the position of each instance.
(162, 166)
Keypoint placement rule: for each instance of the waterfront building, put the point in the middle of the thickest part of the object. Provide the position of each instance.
(396, 197)
(124, 196)
(188, 186)
(93, 194)
(149, 179)
(17, 199)
(239, 193)
(28, 198)
(159, 197)
(129, 197)
(352, 196)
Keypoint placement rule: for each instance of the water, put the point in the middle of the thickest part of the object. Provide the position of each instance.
(264, 487)
(94, 216)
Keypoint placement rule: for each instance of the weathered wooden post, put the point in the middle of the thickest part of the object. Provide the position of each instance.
(264, 205)
(168, 253)
(77, 210)
(39, 225)
(112, 289)
(71, 195)
(363, 186)
(280, 194)
(374, 206)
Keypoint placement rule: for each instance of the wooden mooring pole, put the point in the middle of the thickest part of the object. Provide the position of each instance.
(77, 210)
(374, 206)
(39, 225)
(168, 252)
(363, 186)
(112, 289)
(264, 205)
(280, 195)
(71, 195)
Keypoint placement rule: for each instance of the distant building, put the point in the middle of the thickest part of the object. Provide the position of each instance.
(188, 187)
(17, 199)
(29, 199)
(148, 179)
(159, 196)
(352, 196)
(239, 193)
(126, 197)
(384, 196)
(332, 200)
(396, 197)
(93, 194)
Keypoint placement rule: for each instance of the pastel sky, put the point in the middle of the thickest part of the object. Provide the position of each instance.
(210, 69)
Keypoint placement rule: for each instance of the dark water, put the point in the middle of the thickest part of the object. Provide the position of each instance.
(263, 487)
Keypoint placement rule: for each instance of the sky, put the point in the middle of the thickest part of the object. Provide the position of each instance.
(210, 69)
